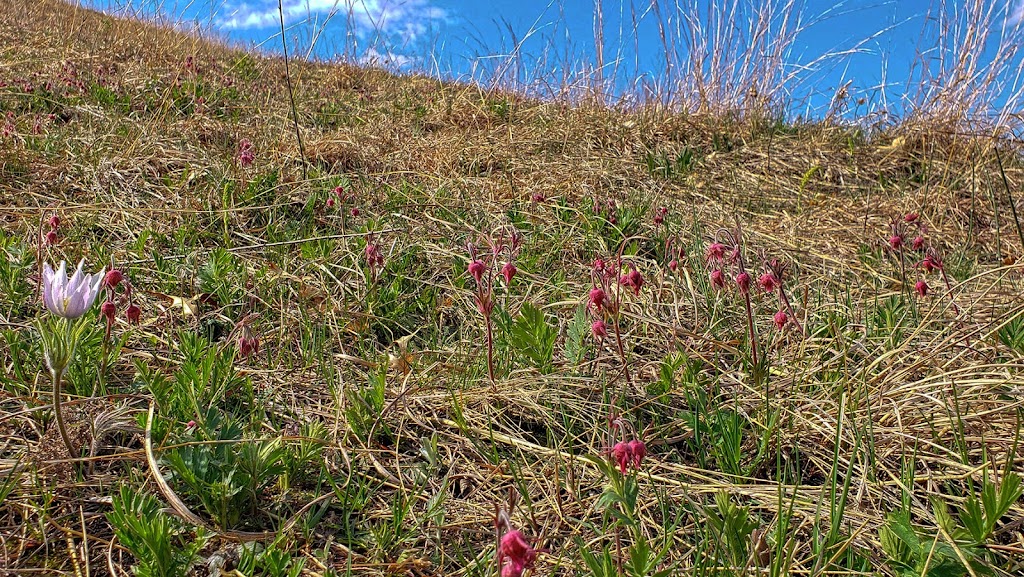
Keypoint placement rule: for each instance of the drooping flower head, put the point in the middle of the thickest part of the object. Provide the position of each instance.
(508, 272)
(515, 554)
(113, 278)
(477, 269)
(895, 242)
(715, 252)
(133, 312)
(718, 278)
(597, 297)
(599, 329)
(70, 297)
(917, 243)
(921, 287)
(743, 281)
(768, 282)
(780, 319)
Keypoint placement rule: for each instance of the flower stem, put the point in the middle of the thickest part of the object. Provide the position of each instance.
(58, 413)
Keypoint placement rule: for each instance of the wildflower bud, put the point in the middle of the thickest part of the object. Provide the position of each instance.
(598, 265)
(718, 278)
(658, 219)
(190, 425)
(895, 242)
(133, 312)
(330, 203)
(637, 450)
(54, 222)
(673, 265)
(537, 197)
(597, 297)
(663, 210)
(508, 272)
(354, 212)
(248, 346)
(339, 191)
(715, 251)
(599, 330)
(113, 278)
(622, 455)
(768, 282)
(477, 268)
(921, 287)
(910, 217)
(780, 319)
(51, 238)
(743, 281)
(635, 280)
(108, 310)
(918, 243)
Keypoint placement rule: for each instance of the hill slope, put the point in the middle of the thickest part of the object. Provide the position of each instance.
(364, 431)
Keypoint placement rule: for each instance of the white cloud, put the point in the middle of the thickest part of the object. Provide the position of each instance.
(387, 59)
(406, 19)
(1015, 14)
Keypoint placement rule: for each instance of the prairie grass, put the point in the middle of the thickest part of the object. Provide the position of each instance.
(308, 390)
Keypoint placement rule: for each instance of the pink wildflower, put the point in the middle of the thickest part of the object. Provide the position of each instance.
(509, 272)
(51, 237)
(768, 282)
(515, 554)
(597, 297)
(917, 243)
(910, 217)
(133, 312)
(113, 278)
(637, 450)
(895, 242)
(743, 281)
(599, 329)
(673, 265)
(921, 287)
(477, 268)
(780, 319)
(108, 310)
(718, 278)
(54, 222)
(715, 251)
(622, 455)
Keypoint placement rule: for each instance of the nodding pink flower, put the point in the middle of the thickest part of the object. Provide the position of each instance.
(910, 217)
(330, 203)
(373, 256)
(133, 312)
(537, 197)
(477, 268)
(734, 256)
(597, 297)
(780, 319)
(509, 272)
(895, 242)
(622, 455)
(339, 191)
(768, 282)
(190, 425)
(108, 310)
(613, 220)
(718, 278)
(598, 265)
(921, 287)
(663, 210)
(715, 251)
(634, 280)
(246, 155)
(673, 265)
(743, 281)
(659, 218)
(51, 238)
(917, 243)
(354, 211)
(930, 264)
(599, 329)
(113, 278)
(54, 222)
(637, 451)
(515, 554)
(248, 345)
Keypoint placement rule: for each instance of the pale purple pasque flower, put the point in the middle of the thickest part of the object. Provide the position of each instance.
(66, 297)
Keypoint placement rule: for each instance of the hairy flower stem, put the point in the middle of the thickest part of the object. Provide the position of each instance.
(58, 414)
(490, 350)
(789, 309)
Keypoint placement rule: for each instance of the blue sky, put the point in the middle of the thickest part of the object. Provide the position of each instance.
(882, 40)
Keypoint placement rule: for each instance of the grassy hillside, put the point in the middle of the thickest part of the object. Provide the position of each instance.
(322, 380)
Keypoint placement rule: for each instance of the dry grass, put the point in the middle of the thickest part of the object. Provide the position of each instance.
(434, 165)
